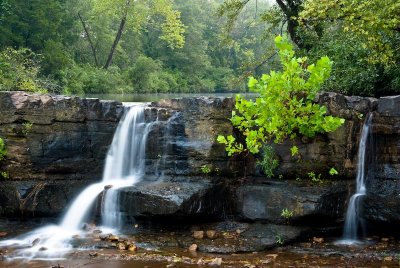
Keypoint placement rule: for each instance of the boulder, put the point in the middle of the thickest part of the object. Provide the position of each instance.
(389, 106)
(382, 201)
(38, 198)
(266, 202)
(193, 199)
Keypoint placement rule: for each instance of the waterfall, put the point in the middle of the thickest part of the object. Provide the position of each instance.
(353, 223)
(125, 165)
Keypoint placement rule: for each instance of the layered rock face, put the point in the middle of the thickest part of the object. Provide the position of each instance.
(56, 146)
(382, 202)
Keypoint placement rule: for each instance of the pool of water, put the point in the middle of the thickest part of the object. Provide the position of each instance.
(157, 97)
(321, 252)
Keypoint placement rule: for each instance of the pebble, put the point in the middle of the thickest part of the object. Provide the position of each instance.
(193, 247)
(216, 262)
(132, 247)
(211, 234)
(198, 234)
(318, 239)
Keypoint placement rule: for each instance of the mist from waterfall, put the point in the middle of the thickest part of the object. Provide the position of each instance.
(125, 165)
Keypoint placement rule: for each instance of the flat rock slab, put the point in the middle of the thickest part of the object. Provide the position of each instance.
(266, 201)
(389, 106)
(158, 199)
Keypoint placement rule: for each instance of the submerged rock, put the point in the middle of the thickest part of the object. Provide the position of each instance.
(254, 237)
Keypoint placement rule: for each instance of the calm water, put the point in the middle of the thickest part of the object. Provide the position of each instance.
(157, 97)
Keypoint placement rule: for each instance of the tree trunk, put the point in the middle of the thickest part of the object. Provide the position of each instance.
(90, 40)
(115, 44)
(118, 36)
(291, 9)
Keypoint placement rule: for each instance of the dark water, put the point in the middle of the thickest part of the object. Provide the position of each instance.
(157, 97)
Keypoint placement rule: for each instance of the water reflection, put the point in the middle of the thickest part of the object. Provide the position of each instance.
(157, 97)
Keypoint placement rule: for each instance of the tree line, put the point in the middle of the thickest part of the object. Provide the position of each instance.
(160, 46)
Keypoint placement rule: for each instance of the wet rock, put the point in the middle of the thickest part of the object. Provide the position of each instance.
(266, 201)
(89, 226)
(35, 242)
(121, 246)
(198, 234)
(254, 237)
(65, 147)
(38, 198)
(178, 199)
(216, 262)
(112, 238)
(381, 204)
(193, 247)
(211, 234)
(132, 248)
(318, 239)
(389, 106)
(199, 121)
(93, 254)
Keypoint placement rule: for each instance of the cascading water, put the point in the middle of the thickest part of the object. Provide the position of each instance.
(353, 221)
(125, 164)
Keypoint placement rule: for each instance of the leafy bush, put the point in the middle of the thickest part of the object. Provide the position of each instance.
(3, 150)
(148, 75)
(286, 213)
(285, 108)
(19, 70)
(80, 79)
(269, 161)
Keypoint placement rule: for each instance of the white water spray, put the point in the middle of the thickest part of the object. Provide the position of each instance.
(125, 165)
(353, 217)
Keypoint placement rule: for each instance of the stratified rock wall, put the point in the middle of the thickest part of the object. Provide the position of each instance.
(382, 202)
(56, 145)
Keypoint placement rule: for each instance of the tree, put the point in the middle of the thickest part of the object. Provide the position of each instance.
(137, 14)
(375, 22)
(285, 12)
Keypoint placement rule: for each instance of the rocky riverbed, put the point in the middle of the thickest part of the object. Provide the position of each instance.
(191, 248)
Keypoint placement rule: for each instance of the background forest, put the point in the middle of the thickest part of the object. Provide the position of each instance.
(191, 46)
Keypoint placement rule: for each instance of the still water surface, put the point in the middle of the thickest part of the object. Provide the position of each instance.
(157, 97)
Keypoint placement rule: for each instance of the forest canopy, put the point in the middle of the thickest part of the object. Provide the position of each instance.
(154, 46)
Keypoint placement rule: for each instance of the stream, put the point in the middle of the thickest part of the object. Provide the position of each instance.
(161, 249)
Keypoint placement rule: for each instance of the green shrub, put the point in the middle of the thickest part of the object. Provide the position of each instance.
(286, 213)
(269, 161)
(3, 150)
(81, 79)
(19, 70)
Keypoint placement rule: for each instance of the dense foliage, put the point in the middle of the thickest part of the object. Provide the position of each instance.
(285, 108)
(361, 37)
(115, 46)
(19, 69)
(104, 46)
